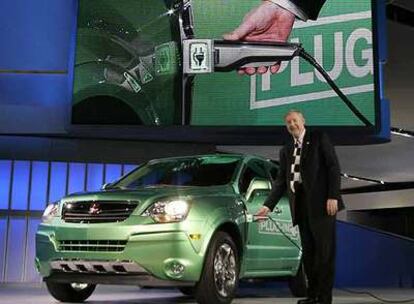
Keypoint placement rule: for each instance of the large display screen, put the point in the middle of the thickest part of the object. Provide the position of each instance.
(128, 70)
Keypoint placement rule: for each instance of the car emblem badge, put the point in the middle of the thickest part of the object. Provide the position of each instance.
(95, 209)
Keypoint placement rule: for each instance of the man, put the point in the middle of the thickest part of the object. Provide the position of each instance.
(272, 21)
(309, 172)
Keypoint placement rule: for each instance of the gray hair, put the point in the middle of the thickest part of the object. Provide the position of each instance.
(294, 111)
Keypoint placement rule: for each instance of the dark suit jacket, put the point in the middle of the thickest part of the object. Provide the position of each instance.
(310, 7)
(320, 174)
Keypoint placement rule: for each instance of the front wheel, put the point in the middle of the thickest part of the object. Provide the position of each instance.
(220, 276)
(70, 292)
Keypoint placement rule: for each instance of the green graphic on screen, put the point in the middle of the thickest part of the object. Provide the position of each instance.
(340, 40)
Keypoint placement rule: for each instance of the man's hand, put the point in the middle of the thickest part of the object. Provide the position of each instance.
(267, 22)
(262, 212)
(332, 206)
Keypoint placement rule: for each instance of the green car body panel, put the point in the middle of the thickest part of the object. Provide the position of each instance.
(265, 248)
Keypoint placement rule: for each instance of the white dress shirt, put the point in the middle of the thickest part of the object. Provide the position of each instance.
(299, 142)
(291, 7)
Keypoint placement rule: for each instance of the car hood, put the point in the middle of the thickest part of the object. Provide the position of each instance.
(149, 194)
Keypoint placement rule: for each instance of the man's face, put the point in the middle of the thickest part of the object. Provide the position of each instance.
(295, 124)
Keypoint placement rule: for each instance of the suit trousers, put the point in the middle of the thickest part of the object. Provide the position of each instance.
(318, 236)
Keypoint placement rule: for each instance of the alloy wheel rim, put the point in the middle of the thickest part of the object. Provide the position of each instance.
(225, 270)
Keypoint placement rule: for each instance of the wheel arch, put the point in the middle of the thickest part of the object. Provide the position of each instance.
(233, 230)
(103, 108)
(93, 85)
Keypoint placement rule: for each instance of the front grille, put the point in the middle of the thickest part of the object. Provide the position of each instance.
(92, 245)
(97, 212)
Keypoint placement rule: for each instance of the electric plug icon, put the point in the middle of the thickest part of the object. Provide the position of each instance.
(199, 56)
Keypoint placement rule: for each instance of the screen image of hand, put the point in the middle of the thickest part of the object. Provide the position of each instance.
(266, 22)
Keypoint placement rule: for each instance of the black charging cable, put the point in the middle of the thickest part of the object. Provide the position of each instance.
(340, 288)
(305, 55)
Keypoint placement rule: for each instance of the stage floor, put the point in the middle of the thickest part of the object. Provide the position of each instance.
(37, 294)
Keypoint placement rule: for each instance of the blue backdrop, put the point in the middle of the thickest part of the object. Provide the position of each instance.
(37, 39)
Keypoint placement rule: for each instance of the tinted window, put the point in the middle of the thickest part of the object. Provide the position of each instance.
(207, 171)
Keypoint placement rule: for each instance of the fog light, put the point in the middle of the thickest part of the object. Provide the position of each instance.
(175, 269)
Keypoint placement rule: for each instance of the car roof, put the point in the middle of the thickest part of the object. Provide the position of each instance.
(217, 155)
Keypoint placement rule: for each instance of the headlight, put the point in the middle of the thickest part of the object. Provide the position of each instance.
(169, 211)
(50, 212)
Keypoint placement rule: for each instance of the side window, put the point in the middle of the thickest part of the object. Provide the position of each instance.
(253, 169)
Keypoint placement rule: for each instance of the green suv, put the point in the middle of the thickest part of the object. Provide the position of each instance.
(185, 222)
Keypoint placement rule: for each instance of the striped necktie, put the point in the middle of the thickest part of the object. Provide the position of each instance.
(295, 168)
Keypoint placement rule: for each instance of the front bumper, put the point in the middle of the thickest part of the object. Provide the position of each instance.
(106, 272)
(151, 257)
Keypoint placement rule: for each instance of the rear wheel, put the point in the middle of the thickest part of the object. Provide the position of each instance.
(298, 284)
(70, 292)
(220, 276)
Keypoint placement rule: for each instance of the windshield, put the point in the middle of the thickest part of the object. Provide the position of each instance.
(201, 171)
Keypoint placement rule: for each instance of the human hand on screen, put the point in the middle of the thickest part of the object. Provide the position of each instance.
(266, 22)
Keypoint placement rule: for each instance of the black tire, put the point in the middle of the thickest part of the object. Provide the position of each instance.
(220, 276)
(68, 292)
(298, 284)
(188, 291)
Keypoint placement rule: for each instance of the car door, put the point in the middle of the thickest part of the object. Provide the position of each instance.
(273, 244)
(282, 220)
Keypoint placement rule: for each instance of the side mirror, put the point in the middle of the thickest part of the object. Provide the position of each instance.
(257, 184)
